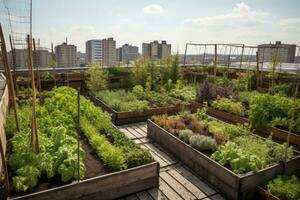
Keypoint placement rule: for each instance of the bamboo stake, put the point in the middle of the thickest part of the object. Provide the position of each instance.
(241, 62)
(291, 122)
(8, 75)
(215, 63)
(13, 53)
(34, 134)
(257, 71)
(37, 66)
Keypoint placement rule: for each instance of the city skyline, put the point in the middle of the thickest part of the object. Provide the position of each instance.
(250, 22)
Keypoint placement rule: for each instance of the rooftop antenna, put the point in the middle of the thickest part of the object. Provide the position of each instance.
(66, 40)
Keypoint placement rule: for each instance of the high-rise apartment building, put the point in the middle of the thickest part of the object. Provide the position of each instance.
(80, 59)
(93, 50)
(286, 52)
(109, 52)
(101, 51)
(156, 50)
(65, 55)
(127, 53)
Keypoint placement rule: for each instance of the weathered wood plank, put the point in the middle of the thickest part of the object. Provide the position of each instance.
(215, 197)
(133, 132)
(157, 194)
(144, 196)
(195, 181)
(168, 191)
(167, 158)
(137, 129)
(187, 184)
(176, 186)
(156, 157)
(126, 132)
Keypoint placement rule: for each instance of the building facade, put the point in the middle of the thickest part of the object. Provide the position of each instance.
(65, 55)
(285, 52)
(109, 52)
(43, 58)
(101, 51)
(156, 50)
(127, 53)
(93, 50)
(80, 59)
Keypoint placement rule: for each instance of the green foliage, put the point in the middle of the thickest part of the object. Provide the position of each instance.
(185, 135)
(175, 73)
(267, 110)
(183, 92)
(245, 97)
(122, 101)
(97, 78)
(239, 161)
(285, 188)
(203, 143)
(282, 89)
(229, 105)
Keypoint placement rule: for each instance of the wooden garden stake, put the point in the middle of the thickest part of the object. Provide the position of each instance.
(257, 71)
(34, 134)
(241, 62)
(291, 122)
(13, 53)
(78, 129)
(4, 166)
(215, 62)
(37, 67)
(8, 75)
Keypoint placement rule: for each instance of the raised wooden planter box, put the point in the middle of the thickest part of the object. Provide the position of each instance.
(109, 186)
(265, 195)
(233, 185)
(277, 133)
(120, 118)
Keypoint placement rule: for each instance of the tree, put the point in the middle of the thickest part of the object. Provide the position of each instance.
(175, 75)
(98, 78)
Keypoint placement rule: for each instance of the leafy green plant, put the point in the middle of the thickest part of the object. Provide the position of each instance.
(285, 188)
(229, 105)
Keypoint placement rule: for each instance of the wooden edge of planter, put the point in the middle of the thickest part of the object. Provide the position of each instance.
(265, 195)
(121, 118)
(235, 119)
(235, 186)
(108, 186)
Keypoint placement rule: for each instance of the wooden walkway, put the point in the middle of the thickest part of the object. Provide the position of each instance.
(176, 182)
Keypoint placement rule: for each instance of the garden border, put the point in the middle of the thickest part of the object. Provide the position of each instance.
(277, 133)
(108, 186)
(234, 186)
(121, 118)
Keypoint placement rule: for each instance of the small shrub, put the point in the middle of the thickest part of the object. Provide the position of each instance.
(185, 135)
(229, 105)
(203, 143)
(285, 188)
(97, 78)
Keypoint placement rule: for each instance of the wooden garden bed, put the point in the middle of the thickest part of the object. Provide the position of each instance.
(278, 133)
(234, 186)
(108, 186)
(120, 118)
(265, 195)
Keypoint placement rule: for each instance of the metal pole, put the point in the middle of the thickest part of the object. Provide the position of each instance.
(215, 62)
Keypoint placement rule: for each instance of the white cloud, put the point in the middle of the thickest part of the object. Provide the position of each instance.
(153, 9)
(241, 15)
(291, 23)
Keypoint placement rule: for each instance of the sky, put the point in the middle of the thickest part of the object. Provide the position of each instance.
(178, 21)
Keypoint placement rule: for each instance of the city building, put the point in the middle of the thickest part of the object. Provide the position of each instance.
(43, 58)
(80, 59)
(286, 52)
(127, 53)
(109, 52)
(21, 58)
(156, 50)
(93, 50)
(65, 55)
(101, 51)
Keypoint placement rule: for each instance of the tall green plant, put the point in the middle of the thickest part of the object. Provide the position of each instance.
(175, 72)
(97, 78)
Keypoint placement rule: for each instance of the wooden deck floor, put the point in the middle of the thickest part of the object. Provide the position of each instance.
(177, 182)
